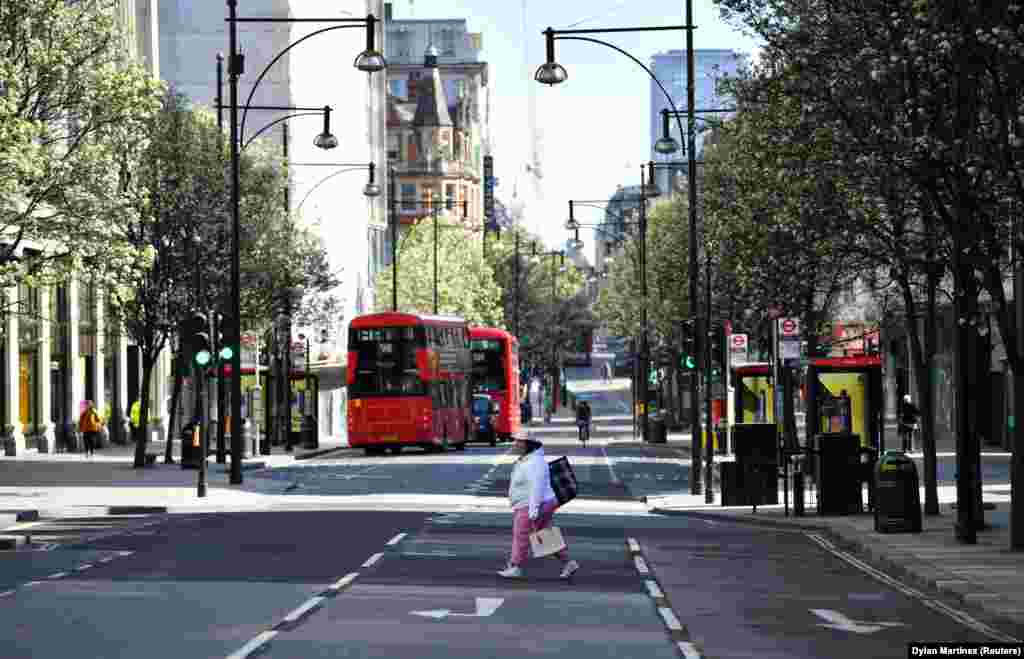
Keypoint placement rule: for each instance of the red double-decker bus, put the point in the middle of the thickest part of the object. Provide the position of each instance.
(408, 382)
(496, 375)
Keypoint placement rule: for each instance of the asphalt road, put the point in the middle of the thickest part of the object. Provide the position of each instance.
(380, 583)
(425, 586)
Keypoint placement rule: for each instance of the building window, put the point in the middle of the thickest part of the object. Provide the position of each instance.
(408, 196)
(449, 196)
(28, 376)
(60, 379)
(448, 42)
(87, 337)
(400, 39)
(394, 152)
(397, 87)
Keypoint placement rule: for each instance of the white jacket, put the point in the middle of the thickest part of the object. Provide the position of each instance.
(531, 483)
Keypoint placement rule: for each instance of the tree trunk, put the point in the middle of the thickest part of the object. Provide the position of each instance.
(143, 430)
(175, 397)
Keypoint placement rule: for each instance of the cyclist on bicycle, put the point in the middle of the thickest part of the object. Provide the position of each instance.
(908, 417)
(583, 420)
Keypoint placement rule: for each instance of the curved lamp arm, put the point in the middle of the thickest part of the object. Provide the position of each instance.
(252, 90)
(324, 180)
(668, 97)
(275, 122)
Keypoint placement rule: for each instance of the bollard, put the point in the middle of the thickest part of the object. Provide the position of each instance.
(798, 486)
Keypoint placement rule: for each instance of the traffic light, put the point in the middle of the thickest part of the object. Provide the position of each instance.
(225, 340)
(717, 339)
(200, 339)
(688, 347)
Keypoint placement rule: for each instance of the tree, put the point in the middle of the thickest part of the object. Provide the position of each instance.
(466, 285)
(66, 87)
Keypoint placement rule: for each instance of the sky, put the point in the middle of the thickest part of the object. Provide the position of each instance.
(594, 128)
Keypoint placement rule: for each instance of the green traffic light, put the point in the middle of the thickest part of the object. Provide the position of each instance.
(687, 362)
(203, 357)
(226, 353)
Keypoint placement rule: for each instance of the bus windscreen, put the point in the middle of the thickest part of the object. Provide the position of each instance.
(488, 365)
(386, 362)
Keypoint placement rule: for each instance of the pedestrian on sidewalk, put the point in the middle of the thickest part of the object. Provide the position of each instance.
(533, 505)
(90, 424)
(608, 371)
(548, 410)
(909, 415)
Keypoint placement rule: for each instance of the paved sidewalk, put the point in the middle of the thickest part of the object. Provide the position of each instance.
(988, 576)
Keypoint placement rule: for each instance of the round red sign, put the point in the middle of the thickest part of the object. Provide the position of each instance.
(739, 341)
(788, 326)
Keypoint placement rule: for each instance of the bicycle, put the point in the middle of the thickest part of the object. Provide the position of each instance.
(584, 428)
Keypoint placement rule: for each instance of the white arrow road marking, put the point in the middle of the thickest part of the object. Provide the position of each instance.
(485, 606)
(839, 621)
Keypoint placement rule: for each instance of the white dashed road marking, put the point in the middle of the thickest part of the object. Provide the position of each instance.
(303, 610)
(653, 589)
(634, 546)
(57, 575)
(641, 565)
(373, 559)
(253, 645)
(688, 650)
(84, 566)
(395, 540)
(671, 621)
(343, 583)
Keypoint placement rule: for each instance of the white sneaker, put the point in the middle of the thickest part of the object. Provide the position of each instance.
(511, 572)
(569, 569)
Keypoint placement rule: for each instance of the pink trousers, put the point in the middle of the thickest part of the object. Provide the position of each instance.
(521, 529)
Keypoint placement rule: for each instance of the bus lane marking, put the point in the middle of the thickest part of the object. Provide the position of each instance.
(252, 646)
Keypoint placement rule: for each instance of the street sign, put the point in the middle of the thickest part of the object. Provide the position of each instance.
(489, 187)
(738, 347)
(789, 327)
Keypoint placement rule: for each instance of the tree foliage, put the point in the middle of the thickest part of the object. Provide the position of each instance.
(67, 96)
(465, 280)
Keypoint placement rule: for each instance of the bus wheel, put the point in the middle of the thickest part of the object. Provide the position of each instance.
(443, 448)
(395, 450)
(373, 450)
(494, 439)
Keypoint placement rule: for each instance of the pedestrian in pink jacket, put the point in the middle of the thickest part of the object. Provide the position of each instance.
(533, 505)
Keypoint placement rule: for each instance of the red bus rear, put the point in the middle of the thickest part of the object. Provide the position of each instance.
(408, 382)
(496, 374)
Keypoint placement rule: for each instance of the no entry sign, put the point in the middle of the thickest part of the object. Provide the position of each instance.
(789, 327)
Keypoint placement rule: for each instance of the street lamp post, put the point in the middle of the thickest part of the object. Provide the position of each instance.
(369, 61)
(552, 73)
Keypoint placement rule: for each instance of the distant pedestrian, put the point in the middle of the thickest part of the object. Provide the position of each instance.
(583, 420)
(547, 405)
(607, 371)
(90, 424)
(908, 416)
(533, 503)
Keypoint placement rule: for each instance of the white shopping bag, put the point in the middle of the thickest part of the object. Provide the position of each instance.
(546, 542)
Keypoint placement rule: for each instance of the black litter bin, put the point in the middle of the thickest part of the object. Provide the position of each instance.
(838, 473)
(897, 494)
(657, 429)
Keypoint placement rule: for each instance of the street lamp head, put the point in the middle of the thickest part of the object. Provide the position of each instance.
(576, 244)
(666, 144)
(326, 140)
(550, 72)
(370, 60)
(371, 189)
(572, 225)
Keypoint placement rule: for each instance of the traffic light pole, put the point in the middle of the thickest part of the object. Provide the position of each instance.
(221, 372)
(709, 455)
